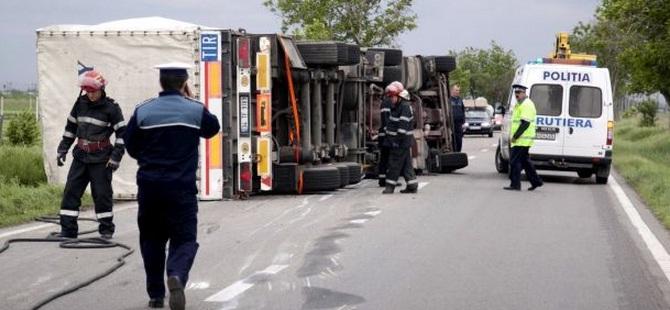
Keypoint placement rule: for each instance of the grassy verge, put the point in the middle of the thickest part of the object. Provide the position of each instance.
(24, 193)
(642, 157)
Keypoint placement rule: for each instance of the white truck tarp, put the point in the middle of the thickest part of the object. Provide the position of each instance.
(125, 52)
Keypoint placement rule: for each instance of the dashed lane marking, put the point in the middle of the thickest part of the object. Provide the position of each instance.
(229, 293)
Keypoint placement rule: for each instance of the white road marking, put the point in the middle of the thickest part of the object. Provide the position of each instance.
(472, 157)
(197, 286)
(657, 250)
(309, 284)
(423, 184)
(375, 213)
(324, 198)
(360, 221)
(494, 145)
(229, 293)
(484, 150)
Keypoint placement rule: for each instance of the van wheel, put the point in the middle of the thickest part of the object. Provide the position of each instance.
(602, 174)
(491, 134)
(585, 174)
(501, 164)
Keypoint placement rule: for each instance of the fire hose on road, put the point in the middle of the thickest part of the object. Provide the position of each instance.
(69, 243)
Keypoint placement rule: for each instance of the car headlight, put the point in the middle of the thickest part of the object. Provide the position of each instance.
(466, 125)
(486, 124)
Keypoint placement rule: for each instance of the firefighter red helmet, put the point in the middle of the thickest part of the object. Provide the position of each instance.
(92, 81)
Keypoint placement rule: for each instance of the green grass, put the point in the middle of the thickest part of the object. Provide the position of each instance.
(642, 157)
(24, 193)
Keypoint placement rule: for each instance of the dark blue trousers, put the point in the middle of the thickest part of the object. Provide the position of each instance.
(519, 159)
(166, 215)
(458, 137)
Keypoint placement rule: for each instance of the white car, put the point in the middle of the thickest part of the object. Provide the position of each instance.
(575, 118)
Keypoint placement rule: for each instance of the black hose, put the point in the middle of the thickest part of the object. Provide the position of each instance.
(70, 243)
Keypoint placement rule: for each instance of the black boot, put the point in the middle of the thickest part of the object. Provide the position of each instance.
(410, 189)
(382, 182)
(389, 189)
(177, 298)
(156, 303)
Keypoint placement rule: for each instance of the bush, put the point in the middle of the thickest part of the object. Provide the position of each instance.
(630, 113)
(22, 165)
(23, 130)
(648, 109)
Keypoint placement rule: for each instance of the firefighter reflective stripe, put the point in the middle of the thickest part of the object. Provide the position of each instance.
(415, 181)
(69, 212)
(392, 182)
(382, 134)
(114, 162)
(119, 125)
(383, 176)
(71, 119)
(104, 215)
(385, 110)
(68, 134)
(406, 119)
(391, 133)
(402, 131)
(93, 121)
(119, 141)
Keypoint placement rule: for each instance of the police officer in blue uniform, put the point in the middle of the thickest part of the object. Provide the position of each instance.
(458, 116)
(163, 135)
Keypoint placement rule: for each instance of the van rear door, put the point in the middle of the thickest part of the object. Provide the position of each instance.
(586, 122)
(548, 99)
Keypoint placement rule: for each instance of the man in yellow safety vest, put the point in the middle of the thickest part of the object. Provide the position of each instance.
(522, 135)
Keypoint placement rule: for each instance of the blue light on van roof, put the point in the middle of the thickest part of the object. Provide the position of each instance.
(575, 62)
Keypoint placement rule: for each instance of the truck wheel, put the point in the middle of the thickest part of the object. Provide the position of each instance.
(413, 73)
(344, 174)
(285, 177)
(585, 173)
(329, 53)
(355, 172)
(502, 166)
(445, 64)
(393, 74)
(321, 178)
(392, 57)
(452, 161)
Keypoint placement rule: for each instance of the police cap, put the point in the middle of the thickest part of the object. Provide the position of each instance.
(519, 87)
(175, 69)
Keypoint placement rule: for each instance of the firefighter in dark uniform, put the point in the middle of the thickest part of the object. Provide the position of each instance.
(385, 111)
(458, 116)
(399, 136)
(163, 135)
(93, 119)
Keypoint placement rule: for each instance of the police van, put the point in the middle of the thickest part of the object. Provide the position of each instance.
(575, 118)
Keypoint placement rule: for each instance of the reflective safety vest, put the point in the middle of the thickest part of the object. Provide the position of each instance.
(523, 111)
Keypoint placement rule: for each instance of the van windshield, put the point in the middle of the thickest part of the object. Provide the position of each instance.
(586, 101)
(548, 99)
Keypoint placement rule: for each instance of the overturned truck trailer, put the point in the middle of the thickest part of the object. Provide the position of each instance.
(295, 117)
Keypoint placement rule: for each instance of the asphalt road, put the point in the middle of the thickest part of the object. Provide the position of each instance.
(461, 243)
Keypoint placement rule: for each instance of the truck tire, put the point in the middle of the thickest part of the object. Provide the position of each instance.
(502, 166)
(320, 178)
(393, 74)
(392, 57)
(344, 173)
(445, 64)
(329, 53)
(452, 161)
(355, 172)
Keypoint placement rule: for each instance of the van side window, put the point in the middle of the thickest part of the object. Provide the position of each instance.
(548, 99)
(586, 101)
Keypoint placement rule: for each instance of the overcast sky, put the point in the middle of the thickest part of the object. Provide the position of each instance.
(525, 26)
